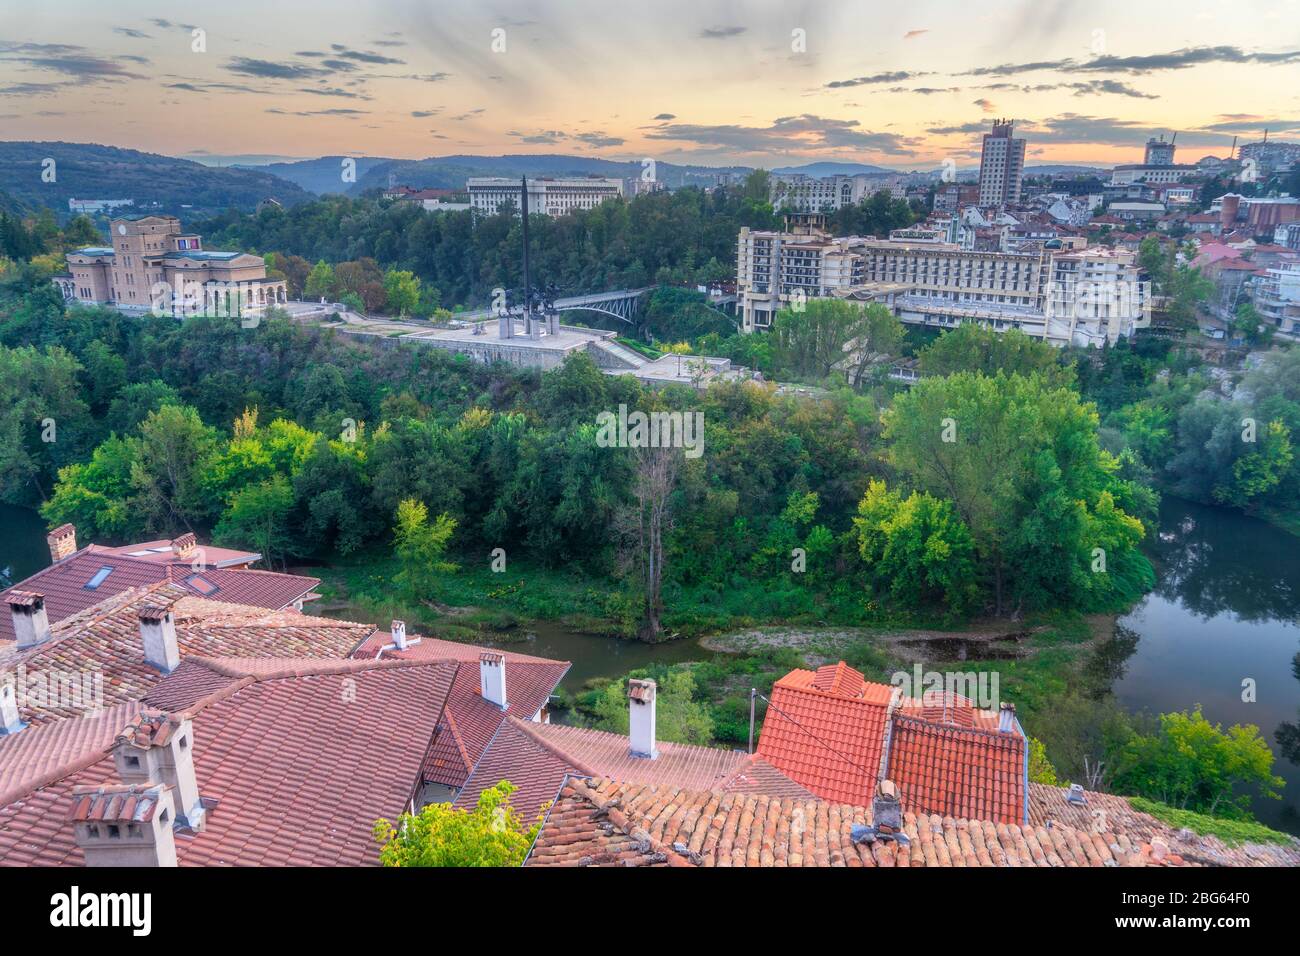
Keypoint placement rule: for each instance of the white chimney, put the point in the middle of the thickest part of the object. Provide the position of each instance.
(1007, 718)
(31, 623)
(160, 747)
(10, 721)
(124, 825)
(492, 678)
(399, 635)
(641, 717)
(158, 632)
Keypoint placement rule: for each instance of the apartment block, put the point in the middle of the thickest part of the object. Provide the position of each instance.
(550, 197)
(796, 192)
(1002, 164)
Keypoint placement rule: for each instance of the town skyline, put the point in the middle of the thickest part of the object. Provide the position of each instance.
(905, 89)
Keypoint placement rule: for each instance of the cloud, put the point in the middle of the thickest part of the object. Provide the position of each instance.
(986, 105)
(597, 139)
(718, 33)
(268, 69)
(1247, 123)
(423, 114)
(913, 34)
(31, 89)
(363, 56)
(895, 77)
(1080, 88)
(548, 137)
(803, 132)
(329, 112)
(962, 128)
(666, 116)
(134, 34)
(1149, 63)
(169, 25)
(77, 64)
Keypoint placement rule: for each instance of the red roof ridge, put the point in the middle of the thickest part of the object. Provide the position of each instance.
(548, 745)
(459, 741)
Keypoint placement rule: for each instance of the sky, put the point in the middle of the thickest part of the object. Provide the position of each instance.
(714, 82)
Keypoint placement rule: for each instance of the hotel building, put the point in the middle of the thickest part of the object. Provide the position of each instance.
(1079, 297)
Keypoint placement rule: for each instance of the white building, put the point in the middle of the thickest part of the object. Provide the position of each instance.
(1002, 165)
(797, 192)
(92, 206)
(1080, 297)
(551, 197)
(1277, 298)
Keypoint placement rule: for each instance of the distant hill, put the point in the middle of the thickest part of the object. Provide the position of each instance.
(836, 169)
(323, 175)
(156, 183)
(450, 172)
(1065, 169)
(10, 205)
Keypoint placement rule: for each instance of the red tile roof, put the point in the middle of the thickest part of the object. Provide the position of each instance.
(829, 742)
(471, 722)
(103, 643)
(537, 757)
(597, 822)
(300, 762)
(957, 771)
(65, 591)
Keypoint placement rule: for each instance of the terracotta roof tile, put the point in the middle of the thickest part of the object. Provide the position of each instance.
(598, 822)
(100, 646)
(330, 748)
(829, 742)
(64, 584)
(957, 771)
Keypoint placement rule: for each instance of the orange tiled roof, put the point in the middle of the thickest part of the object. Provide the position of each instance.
(598, 822)
(825, 730)
(958, 771)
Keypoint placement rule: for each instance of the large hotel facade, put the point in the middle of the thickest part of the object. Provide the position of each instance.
(1065, 296)
(153, 264)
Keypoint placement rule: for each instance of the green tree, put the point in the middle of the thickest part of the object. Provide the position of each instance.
(321, 282)
(420, 546)
(916, 548)
(1192, 764)
(167, 474)
(402, 289)
(976, 348)
(259, 517)
(492, 834)
(824, 335)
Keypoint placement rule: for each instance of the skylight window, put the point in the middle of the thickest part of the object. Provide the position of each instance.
(98, 578)
(201, 584)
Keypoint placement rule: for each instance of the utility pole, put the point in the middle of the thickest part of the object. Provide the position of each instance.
(528, 289)
(753, 693)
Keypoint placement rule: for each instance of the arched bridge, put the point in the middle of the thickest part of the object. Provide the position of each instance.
(622, 304)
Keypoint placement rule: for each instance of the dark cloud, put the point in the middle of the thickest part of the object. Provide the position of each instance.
(268, 69)
(169, 25)
(330, 112)
(896, 77)
(1149, 63)
(598, 139)
(133, 34)
(963, 128)
(1246, 123)
(363, 56)
(80, 65)
(666, 116)
(422, 114)
(1080, 88)
(719, 33)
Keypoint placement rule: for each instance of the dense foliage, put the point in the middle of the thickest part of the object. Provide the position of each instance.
(492, 834)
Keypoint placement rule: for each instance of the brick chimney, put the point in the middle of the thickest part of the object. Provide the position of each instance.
(124, 824)
(158, 634)
(492, 678)
(1007, 718)
(641, 717)
(62, 541)
(184, 546)
(160, 747)
(31, 623)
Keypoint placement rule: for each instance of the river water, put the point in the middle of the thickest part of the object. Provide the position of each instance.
(1225, 609)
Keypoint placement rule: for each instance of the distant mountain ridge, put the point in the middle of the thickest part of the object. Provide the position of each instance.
(450, 172)
(157, 183)
(835, 169)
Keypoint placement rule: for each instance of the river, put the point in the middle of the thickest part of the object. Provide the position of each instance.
(1225, 609)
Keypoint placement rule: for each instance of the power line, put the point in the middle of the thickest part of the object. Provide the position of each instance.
(847, 759)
